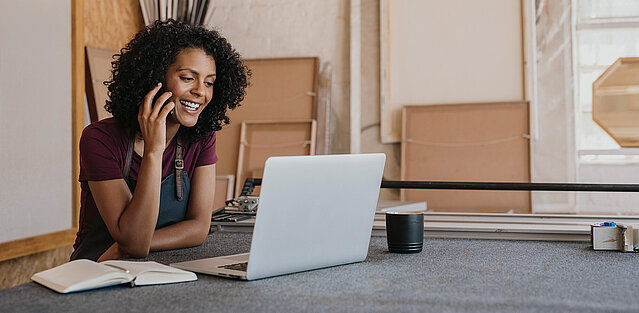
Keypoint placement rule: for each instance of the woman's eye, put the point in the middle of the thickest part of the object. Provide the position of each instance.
(208, 84)
(186, 79)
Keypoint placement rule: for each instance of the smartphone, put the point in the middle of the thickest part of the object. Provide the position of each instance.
(157, 95)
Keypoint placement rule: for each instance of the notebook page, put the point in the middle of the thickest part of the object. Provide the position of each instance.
(79, 275)
(150, 272)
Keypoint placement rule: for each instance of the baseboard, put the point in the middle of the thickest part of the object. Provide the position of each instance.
(21, 247)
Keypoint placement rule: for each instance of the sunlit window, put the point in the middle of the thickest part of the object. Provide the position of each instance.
(605, 30)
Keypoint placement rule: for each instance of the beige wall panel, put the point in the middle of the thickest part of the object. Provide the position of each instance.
(449, 51)
(110, 24)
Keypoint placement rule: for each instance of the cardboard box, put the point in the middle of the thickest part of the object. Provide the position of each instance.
(613, 236)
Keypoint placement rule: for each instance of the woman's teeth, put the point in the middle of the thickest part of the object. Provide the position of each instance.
(190, 105)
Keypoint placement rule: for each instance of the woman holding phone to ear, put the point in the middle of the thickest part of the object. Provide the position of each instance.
(148, 173)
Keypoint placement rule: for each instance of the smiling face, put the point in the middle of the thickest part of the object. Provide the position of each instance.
(190, 78)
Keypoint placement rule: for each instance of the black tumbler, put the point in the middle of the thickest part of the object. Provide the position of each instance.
(405, 231)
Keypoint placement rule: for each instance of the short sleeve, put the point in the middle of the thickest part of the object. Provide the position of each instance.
(100, 156)
(207, 154)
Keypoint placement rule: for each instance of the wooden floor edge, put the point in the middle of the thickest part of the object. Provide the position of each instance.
(21, 247)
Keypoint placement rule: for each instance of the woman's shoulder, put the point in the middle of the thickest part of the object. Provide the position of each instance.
(205, 142)
(106, 127)
(204, 151)
(104, 132)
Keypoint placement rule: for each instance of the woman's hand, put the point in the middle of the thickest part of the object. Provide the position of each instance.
(152, 120)
(113, 253)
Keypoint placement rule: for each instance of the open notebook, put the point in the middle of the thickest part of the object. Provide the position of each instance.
(80, 275)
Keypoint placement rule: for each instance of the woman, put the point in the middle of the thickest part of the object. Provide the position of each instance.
(148, 174)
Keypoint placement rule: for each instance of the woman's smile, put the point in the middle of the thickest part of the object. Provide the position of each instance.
(190, 106)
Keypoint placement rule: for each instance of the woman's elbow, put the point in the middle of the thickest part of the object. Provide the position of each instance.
(202, 233)
(138, 253)
(136, 249)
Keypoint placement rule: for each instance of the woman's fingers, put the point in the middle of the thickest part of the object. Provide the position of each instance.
(148, 99)
(147, 102)
(159, 103)
(165, 110)
(152, 118)
(149, 109)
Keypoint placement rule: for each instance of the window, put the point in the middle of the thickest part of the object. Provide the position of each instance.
(605, 30)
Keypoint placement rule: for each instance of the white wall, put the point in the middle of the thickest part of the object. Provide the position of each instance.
(35, 118)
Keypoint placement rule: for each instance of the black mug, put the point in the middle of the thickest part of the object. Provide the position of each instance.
(405, 231)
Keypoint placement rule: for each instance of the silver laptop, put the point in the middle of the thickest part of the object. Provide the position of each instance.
(314, 212)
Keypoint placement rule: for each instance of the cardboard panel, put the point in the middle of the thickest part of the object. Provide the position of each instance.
(280, 89)
(263, 139)
(467, 142)
(98, 70)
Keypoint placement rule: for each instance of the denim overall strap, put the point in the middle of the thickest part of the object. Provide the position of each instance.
(174, 189)
(179, 166)
(129, 157)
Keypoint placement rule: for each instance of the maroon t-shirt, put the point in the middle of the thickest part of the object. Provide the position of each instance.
(103, 148)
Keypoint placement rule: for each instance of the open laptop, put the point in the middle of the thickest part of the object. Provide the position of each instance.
(314, 212)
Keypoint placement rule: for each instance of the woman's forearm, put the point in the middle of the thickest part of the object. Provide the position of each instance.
(184, 234)
(137, 222)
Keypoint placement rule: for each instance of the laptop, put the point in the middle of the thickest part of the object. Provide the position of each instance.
(314, 212)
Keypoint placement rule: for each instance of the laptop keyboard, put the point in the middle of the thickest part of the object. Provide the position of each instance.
(237, 266)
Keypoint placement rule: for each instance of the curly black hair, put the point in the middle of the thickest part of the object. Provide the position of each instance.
(144, 61)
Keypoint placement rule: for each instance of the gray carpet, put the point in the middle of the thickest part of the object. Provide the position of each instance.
(450, 275)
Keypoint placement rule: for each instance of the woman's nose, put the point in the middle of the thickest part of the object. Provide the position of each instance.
(198, 90)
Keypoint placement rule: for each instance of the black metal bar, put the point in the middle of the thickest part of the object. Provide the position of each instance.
(402, 184)
(509, 186)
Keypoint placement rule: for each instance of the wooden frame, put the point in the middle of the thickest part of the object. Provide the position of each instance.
(30, 245)
(386, 130)
(97, 71)
(299, 139)
(224, 186)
